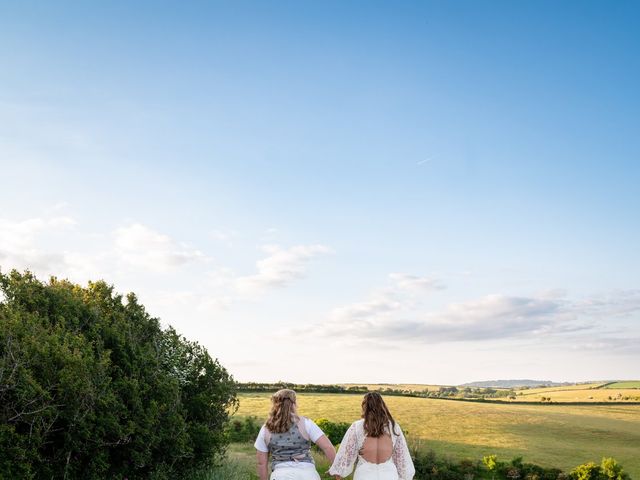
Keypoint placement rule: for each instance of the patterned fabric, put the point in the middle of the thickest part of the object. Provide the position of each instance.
(349, 453)
(290, 446)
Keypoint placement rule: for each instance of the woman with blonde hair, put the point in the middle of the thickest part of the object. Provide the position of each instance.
(287, 437)
(376, 444)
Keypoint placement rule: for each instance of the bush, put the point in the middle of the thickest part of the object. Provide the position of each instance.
(609, 469)
(586, 471)
(431, 467)
(243, 429)
(93, 388)
(333, 430)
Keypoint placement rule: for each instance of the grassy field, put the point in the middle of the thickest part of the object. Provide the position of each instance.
(543, 390)
(560, 436)
(623, 385)
(587, 394)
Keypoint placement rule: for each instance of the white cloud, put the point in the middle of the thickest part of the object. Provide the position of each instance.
(140, 246)
(20, 245)
(280, 267)
(397, 314)
(402, 294)
(489, 318)
(221, 287)
(127, 254)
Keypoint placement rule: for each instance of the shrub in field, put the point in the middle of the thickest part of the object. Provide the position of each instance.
(518, 469)
(333, 430)
(609, 469)
(429, 466)
(243, 429)
(586, 471)
(92, 387)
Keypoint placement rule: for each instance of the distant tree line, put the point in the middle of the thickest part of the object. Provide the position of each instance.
(440, 392)
(465, 394)
(91, 387)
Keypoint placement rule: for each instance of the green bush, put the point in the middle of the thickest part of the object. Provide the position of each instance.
(333, 430)
(243, 429)
(93, 388)
(586, 471)
(429, 466)
(609, 469)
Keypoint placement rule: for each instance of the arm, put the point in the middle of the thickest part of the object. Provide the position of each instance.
(347, 454)
(262, 454)
(402, 458)
(261, 458)
(327, 447)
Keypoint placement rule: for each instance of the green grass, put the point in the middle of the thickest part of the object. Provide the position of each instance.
(623, 385)
(231, 470)
(241, 464)
(560, 436)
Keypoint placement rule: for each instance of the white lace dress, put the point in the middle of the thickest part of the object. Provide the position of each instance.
(398, 467)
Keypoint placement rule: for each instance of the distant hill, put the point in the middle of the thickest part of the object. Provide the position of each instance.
(515, 383)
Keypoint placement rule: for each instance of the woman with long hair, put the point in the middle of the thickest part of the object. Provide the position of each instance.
(375, 444)
(287, 437)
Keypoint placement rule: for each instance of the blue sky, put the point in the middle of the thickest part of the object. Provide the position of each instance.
(308, 188)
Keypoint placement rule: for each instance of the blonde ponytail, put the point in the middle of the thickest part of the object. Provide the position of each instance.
(283, 411)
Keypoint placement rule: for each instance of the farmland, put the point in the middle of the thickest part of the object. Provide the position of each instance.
(623, 385)
(619, 392)
(550, 435)
(582, 393)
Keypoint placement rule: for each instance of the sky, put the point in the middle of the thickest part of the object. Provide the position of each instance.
(324, 192)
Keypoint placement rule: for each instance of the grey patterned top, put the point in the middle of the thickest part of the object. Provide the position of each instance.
(290, 446)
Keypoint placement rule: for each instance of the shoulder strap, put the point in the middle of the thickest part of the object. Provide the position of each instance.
(267, 436)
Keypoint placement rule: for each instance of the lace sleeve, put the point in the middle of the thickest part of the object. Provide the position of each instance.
(402, 458)
(347, 453)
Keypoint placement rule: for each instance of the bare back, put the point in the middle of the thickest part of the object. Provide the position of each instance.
(377, 449)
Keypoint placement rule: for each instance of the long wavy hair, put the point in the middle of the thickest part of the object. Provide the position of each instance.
(283, 411)
(376, 415)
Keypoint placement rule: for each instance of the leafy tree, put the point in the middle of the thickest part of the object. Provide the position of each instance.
(92, 387)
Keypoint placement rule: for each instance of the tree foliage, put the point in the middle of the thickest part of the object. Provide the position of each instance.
(92, 387)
